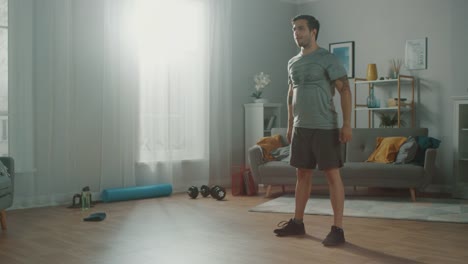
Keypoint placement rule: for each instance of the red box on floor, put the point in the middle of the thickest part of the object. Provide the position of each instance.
(249, 184)
(237, 180)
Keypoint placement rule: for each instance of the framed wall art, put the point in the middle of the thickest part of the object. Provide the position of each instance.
(416, 54)
(345, 53)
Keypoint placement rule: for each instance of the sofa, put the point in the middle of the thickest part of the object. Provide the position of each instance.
(6, 188)
(356, 171)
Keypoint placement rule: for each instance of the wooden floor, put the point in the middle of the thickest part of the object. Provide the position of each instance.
(180, 230)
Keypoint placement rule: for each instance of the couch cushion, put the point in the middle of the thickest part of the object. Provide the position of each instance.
(382, 175)
(5, 185)
(387, 149)
(424, 143)
(277, 172)
(364, 140)
(407, 151)
(282, 154)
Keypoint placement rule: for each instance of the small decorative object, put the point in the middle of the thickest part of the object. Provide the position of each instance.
(389, 120)
(372, 101)
(372, 72)
(395, 66)
(394, 102)
(85, 198)
(261, 81)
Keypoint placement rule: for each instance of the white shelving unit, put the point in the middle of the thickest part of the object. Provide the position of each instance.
(385, 84)
(258, 116)
(460, 146)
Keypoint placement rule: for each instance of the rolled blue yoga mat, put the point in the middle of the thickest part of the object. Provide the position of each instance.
(138, 192)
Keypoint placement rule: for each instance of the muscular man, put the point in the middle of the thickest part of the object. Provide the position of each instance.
(313, 130)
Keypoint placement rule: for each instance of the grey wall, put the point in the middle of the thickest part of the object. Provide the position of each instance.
(379, 29)
(262, 42)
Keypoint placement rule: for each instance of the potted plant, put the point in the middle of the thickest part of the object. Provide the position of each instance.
(389, 120)
(261, 81)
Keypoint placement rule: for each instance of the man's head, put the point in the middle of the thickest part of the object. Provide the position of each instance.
(304, 27)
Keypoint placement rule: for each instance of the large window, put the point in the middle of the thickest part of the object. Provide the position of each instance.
(3, 77)
(173, 38)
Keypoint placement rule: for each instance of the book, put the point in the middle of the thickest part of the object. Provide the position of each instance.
(271, 122)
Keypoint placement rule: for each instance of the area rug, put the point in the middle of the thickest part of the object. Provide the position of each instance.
(424, 209)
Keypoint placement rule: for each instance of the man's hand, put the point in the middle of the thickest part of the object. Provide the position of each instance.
(346, 134)
(342, 85)
(289, 134)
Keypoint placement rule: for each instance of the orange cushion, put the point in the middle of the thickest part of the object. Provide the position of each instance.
(268, 144)
(386, 149)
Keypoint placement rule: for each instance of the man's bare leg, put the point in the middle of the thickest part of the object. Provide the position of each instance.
(295, 226)
(335, 186)
(303, 189)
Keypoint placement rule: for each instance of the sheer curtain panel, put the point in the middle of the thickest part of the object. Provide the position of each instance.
(118, 93)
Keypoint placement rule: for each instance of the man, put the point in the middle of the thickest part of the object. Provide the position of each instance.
(313, 125)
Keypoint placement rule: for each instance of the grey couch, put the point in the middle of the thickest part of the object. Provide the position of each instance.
(6, 189)
(356, 172)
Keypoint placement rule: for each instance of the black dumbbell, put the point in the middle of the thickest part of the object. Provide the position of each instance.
(205, 191)
(218, 192)
(193, 192)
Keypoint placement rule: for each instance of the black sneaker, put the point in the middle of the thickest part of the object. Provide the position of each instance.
(290, 228)
(334, 238)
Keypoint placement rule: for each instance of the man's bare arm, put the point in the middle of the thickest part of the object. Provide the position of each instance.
(290, 111)
(342, 85)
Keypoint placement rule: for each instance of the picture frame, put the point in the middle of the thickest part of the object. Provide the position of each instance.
(416, 54)
(344, 51)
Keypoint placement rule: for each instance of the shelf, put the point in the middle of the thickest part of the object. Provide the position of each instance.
(396, 86)
(263, 105)
(403, 108)
(383, 82)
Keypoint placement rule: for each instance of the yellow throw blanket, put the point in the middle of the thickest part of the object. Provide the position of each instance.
(269, 144)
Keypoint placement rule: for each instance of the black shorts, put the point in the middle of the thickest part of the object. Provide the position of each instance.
(312, 147)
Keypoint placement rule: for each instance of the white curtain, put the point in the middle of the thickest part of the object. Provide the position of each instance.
(119, 100)
(173, 89)
(184, 92)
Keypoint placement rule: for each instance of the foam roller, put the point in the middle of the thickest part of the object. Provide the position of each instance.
(138, 192)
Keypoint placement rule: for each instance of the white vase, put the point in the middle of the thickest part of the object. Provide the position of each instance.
(260, 100)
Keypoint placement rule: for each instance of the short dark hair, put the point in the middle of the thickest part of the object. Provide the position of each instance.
(312, 22)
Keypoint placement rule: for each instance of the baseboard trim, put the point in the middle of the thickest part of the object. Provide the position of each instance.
(63, 199)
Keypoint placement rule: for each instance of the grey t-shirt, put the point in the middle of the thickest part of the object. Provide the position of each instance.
(311, 76)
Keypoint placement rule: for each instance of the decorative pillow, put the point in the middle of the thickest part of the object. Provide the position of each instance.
(423, 144)
(407, 151)
(3, 170)
(268, 144)
(386, 149)
(282, 153)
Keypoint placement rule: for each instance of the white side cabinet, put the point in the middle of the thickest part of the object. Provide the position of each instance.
(260, 118)
(460, 146)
